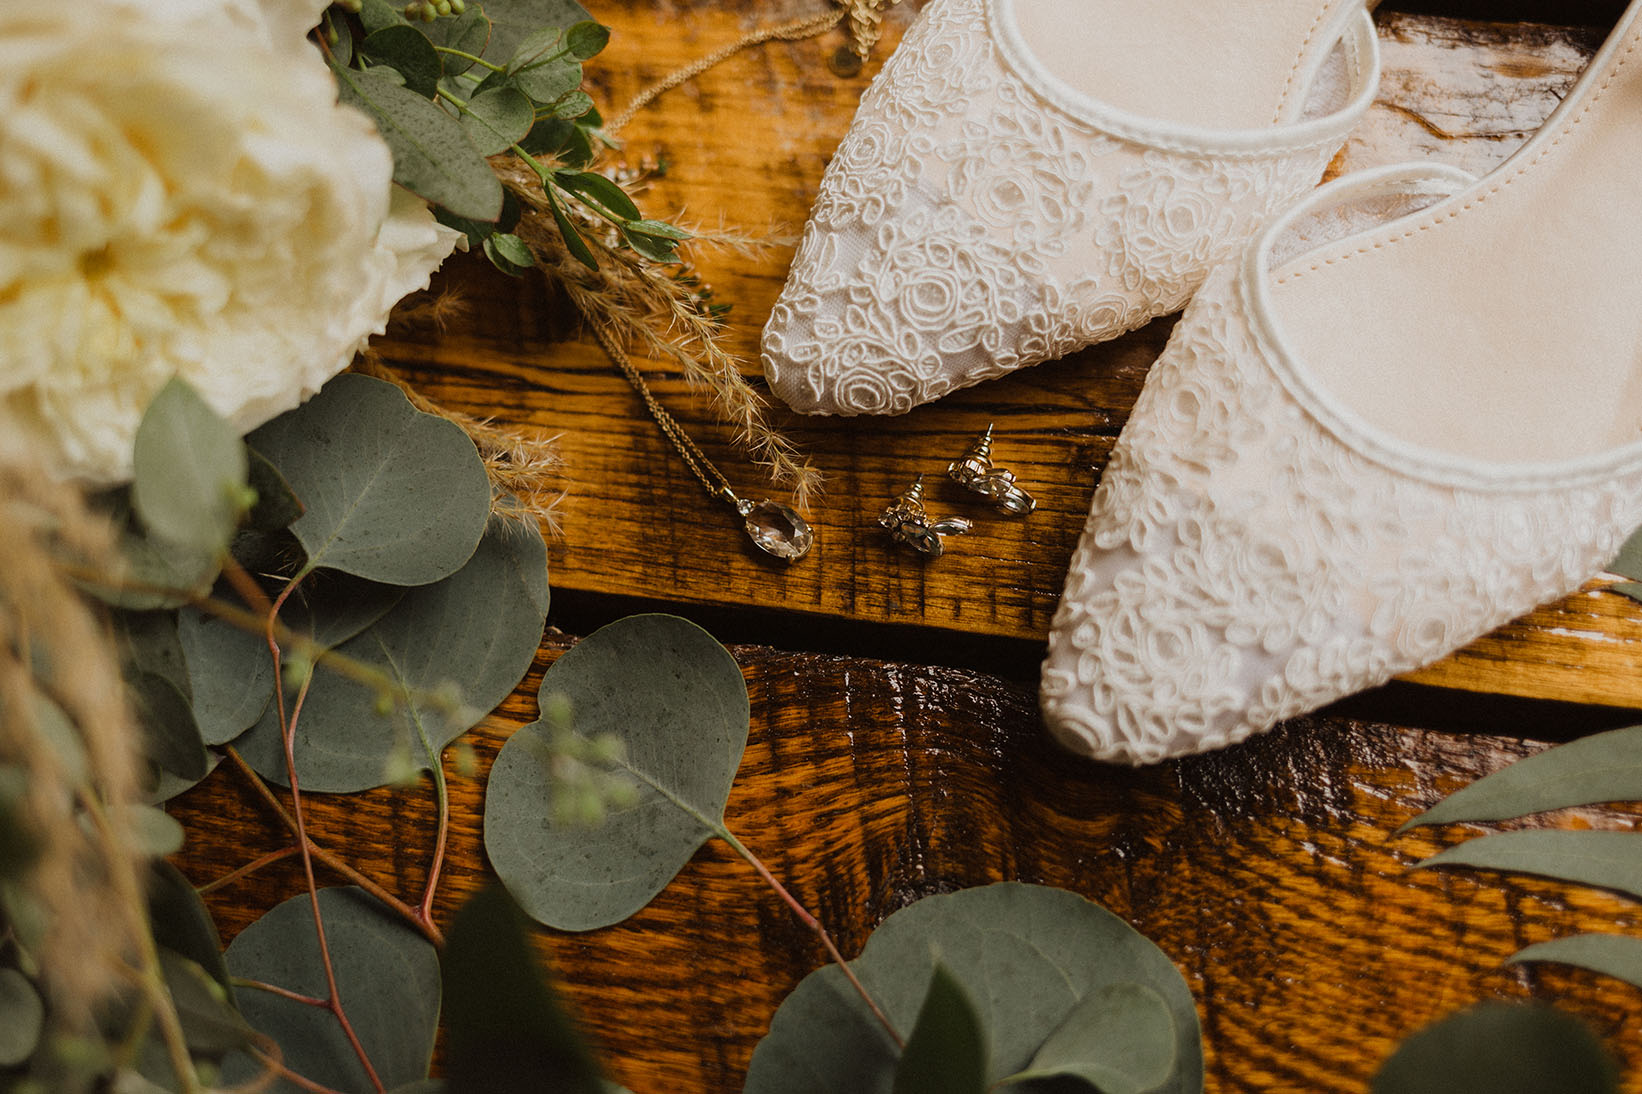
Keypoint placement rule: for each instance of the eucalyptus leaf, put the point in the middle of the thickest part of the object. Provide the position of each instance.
(189, 471)
(181, 922)
(152, 832)
(587, 39)
(1028, 955)
(946, 1051)
(376, 14)
(1615, 955)
(1606, 767)
(1629, 562)
(468, 33)
(277, 506)
(498, 118)
(1632, 589)
(387, 976)
(22, 1017)
(514, 20)
(330, 607)
(603, 192)
(478, 628)
(342, 49)
(393, 494)
(1607, 860)
(1496, 1048)
(171, 738)
(406, 50)
(543, 68)
(678, 702)
(230, 674)
(432, 155)
(505, 1030)
(157, 574)
(1120, 1040)
(151, 642)
(210, 1023)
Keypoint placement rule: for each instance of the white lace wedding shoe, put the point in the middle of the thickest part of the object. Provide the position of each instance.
(1028, 177)
(1410, 413)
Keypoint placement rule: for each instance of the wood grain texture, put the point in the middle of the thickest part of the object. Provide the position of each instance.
(745, 145)
(1268, 872)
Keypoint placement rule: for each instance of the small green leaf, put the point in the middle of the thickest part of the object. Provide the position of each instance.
(506, 1031)
(189, 470)
(572, 104)
(341, 50)
(1629, 562)
(656, 250)
(393, 494)
(498, 118)
(22, 1017)
(152, 642)
(508, 253)
(171, 738)
(230, 673)
(572, 238)
(601, 191)
(587, 39)
(1119, 1040)
(387, 976)
(659, 228)
(1615, 955)
(1496, 1048)
(406, 50)
(1607, 860)
(946, 1051)
(432, 155)
(677, 700)
(1028, 955)
(1606, 767)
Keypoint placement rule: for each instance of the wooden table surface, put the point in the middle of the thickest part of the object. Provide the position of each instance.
(1268, 872)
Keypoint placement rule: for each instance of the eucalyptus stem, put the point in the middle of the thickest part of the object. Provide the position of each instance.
(330, 858)
(722, 831)
(442, 792)
(470, 58)
(287, 727)
(283, 993)
(244, 871)
(815, 927)
(278, 1068)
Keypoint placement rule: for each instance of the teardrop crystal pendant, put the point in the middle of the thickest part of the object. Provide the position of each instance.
(777, 529)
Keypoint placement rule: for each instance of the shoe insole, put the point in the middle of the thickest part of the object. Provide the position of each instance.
(1503, 323)
(1219, 64)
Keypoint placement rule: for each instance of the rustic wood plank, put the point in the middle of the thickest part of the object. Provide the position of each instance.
(1267, 872)
(746, 143)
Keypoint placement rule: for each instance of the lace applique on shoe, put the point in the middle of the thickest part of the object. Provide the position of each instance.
(969, 226)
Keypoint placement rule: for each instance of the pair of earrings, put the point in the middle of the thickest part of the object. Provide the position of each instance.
(908, 522)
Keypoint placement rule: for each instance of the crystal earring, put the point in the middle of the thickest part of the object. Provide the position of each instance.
(908, 523)
(974, 471)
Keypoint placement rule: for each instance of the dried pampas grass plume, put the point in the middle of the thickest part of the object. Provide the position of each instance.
(66, 729)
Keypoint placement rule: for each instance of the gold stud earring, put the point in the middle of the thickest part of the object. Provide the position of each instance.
(974, 471)
(907, 522)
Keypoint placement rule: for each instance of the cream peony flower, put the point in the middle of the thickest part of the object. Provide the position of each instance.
(182, 195)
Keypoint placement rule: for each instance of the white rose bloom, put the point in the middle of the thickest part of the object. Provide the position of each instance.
(181, 195)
